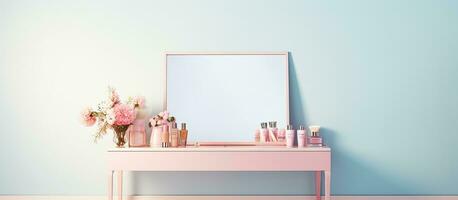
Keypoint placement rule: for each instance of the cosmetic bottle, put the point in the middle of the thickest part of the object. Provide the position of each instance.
(301, 137)
(315, 139)
(183, 135)
(290, 134)
(257, 135)
(273, 131)
(264, 133)
(165, 137)
(281, 135)
(174, 135)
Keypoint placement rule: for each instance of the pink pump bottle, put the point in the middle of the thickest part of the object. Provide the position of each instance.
(290, 134)
(301, 137)
(264, 135)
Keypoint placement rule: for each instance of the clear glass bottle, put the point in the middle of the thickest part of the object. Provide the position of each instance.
(183, 135)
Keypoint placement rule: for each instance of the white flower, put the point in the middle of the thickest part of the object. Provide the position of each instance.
(111, 116)
(104, 106)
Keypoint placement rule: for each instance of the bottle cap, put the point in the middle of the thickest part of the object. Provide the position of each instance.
(264, 125)
(273, 124)
(301, 127)
(174, 125)
(289, 127)
(183, 126)
(315, 134)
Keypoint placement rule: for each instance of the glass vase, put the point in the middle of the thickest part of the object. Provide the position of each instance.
(120, 135)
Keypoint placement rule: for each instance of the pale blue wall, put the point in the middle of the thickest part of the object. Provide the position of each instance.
(380, 76)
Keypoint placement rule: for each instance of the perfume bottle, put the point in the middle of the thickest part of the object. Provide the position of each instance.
(273, 131)
(301, 137)
(165, 139)
(264, 135)
(174, 135)
(257, 135)
(183, 135)
(281, 135)
(290, 134)
(137, 134)
(315, 139)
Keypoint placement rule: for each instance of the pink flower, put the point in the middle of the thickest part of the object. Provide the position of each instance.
(166, 115)
(124, 114)
(139, 102)
(87, 117)
(113, 96)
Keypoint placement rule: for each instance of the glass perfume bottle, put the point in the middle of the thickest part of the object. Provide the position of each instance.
(137, 134)
(165, 138)
(315, 140)
(174, 135)
(183, 135)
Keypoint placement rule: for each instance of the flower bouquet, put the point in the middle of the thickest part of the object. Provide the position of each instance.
(113, 114)
(163, 118)
(159, 124)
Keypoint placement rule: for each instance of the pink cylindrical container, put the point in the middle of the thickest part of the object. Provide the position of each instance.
(264, 133)
(301, 137)
(155, 140)
(290, 133)
(257, 135)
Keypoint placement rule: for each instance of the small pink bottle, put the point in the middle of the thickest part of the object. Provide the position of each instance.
(301, 137)
(290, 134)
(315, 139)
(264, 135)
(257, 135)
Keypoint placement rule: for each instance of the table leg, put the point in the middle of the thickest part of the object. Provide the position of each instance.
(327, 185)
(119, 185)
(318, 185)
(110, 185)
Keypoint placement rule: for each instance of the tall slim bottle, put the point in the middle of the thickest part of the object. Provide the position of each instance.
(174, 135)
(183, 135)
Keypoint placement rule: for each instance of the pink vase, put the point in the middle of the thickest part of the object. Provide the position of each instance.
(155, 140)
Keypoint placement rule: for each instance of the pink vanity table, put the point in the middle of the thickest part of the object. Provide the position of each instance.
(255, 158)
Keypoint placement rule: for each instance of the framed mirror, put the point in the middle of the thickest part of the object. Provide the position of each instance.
(224, 96)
